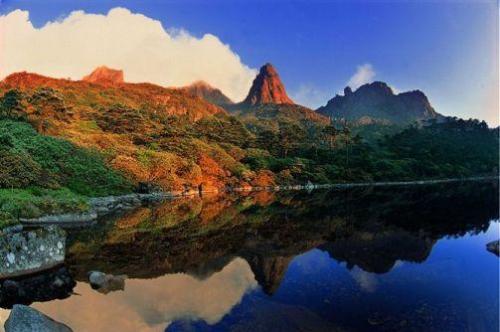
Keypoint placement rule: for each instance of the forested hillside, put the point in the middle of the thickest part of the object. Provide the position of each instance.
(103, 138)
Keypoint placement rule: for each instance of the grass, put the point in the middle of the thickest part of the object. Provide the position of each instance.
(34, 202)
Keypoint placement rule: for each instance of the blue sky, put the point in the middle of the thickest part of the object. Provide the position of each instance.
(448, 49)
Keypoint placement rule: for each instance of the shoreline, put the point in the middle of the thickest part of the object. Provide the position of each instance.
(102, 206)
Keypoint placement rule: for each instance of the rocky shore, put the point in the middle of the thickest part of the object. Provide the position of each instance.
(98, 207)
(102, 206)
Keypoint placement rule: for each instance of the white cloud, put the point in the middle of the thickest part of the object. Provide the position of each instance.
(73, 46)
(311, 96)
(364, 74)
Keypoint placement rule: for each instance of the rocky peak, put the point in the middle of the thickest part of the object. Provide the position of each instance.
(376, 88)
(267, 88)
(347, 91)
(205, 91)
(105, 75)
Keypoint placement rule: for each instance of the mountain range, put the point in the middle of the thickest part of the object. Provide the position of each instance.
(376, 102)
(371, 103)
(267, 98)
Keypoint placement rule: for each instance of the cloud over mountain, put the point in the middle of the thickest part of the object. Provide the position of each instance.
(140, 46)
(364, 74)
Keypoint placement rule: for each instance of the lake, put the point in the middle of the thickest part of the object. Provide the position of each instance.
(409, 258)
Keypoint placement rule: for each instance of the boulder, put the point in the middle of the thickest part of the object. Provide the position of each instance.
(23, 318)
(105, 283)
(31, 251)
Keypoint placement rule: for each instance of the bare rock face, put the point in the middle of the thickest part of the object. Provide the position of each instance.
(267, 88)
(105, 75)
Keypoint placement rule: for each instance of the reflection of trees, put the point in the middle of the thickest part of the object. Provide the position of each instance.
(368, 227)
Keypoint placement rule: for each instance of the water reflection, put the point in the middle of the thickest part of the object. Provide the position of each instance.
(371, 228)
(289, 261)
(151, 304)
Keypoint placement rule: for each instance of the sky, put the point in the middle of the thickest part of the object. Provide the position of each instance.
(446, 48)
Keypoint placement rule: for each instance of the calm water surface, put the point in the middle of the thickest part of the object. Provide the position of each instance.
(364, 259)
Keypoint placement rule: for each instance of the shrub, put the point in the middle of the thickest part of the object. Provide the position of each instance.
(29, 155)
(17, 170)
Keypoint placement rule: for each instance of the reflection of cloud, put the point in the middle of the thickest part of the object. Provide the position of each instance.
(150, 305)
(367, 281)
(121, 39)
(4, 314)
(398, 264)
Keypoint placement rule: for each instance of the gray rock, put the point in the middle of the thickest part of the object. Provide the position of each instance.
(62, 218)
(23, 318)
(97, 279)
(31, 251)
(105, 283)
(494, 247)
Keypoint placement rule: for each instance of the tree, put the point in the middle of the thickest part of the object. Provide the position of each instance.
(289, 137)
(346, 131)
(330, 135)
(11, 105)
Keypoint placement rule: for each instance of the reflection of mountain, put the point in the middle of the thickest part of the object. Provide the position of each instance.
(378, 251)
(269, 271)
(371, 228)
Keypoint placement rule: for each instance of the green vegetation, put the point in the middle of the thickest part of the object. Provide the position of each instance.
(41, 174)
(34, 202)
(274, 145)
(31, 159)
(337, 153)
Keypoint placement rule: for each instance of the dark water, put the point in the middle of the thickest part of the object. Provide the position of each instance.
(364, 259)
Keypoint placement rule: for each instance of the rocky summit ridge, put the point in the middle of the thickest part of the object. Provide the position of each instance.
(105, 75)
(267, 88)
(378, 102)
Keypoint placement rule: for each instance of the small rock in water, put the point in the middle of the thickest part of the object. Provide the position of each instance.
(494, 247)
(23, 318)
(97, 279)
(105, 283)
